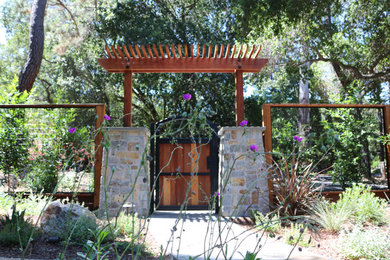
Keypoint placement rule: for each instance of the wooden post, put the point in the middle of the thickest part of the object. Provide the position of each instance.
(239, 97)
(100, 112)
(267, 123)
(128, 93)
(386, 119)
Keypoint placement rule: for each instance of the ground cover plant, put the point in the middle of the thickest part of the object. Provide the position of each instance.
(16, 229)
(359, 223)
(361, 243)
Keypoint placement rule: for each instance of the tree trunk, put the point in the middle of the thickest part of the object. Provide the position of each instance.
(31, 68)
(304, 113)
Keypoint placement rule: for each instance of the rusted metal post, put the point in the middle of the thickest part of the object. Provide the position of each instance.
(128, 98)
(100, 112)
(266, 110)
(240, 113)
(386, 119)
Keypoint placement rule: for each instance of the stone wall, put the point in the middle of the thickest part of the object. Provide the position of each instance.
(126, 172)
(242, 173)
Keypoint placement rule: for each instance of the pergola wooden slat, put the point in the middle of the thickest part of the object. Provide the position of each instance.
(181, 59)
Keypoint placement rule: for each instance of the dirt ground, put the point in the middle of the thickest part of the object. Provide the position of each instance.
(44, 250)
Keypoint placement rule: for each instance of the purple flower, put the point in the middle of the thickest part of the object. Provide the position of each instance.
(72, 130)
(297, 138)
(107, 117)
(254, 148)
(216, 193)
(187, 96)
(244, 123)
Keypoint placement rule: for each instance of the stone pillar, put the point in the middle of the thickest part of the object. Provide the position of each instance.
(125, 171)
(242, 173)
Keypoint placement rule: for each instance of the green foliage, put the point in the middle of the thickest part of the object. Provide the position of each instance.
(133, 248)
(44, 173)
(251, 256)
(269, 222)
(348, 166)
(16, 230)
(14, 137)
(282, 132)
(364, 205)
(338, 32)
(297, 234)
(126, 225)
(356, 204)
(78, 231)
(330, 216)
(96, 249)
(6, 202)
(32, 205)
(59, 150)
(364, 244)
(343, 142)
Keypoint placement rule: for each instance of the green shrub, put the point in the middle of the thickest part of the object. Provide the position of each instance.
(14, 144)
(297, 234)
(96, 249)
(44, 174)
(364, 205)
(132, 248)
(269, 222)
(364, 244)
(16, 230)
(126, 225)
(32, 205)
(6, 202)
(330, 216)
(79, 231)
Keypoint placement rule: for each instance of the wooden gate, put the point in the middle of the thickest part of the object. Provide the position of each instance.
(184, 169)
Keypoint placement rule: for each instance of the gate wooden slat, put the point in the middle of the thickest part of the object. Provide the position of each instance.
(184, 158)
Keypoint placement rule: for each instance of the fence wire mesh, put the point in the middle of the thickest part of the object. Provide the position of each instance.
(42, 147)
(344, 145)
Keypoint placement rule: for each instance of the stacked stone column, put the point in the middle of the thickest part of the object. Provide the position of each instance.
(125, 171)
(242, 172)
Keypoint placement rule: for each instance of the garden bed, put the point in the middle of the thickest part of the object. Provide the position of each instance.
(42, 249)
(357, 226)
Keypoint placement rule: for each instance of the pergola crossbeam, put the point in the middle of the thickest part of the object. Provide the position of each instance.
(181, 59)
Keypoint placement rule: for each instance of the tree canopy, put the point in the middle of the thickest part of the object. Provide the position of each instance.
(345, 44)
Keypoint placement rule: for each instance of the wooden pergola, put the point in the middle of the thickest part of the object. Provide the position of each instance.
(182, 59)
